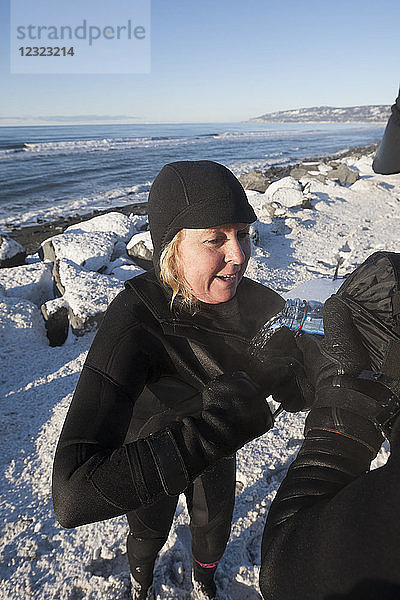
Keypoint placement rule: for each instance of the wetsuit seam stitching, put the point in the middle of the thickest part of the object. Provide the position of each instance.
(103, 374)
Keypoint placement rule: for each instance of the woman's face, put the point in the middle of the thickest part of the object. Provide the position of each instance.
(213, 261)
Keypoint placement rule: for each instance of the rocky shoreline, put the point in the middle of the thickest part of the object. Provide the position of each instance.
(32, 236)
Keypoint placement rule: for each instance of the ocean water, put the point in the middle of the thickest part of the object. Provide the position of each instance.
(52, 171)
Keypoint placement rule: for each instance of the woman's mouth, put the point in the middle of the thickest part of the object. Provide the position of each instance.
(227, 277)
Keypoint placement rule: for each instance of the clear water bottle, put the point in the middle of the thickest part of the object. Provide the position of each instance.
(298, 315)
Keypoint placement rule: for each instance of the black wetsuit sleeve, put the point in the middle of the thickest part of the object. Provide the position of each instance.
(387, 158)
(92, 478)
(317, 531)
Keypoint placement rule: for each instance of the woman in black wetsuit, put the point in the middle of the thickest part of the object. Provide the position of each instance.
(160, 406)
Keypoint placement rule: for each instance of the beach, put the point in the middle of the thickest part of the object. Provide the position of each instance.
(304, 226)
(31, 236)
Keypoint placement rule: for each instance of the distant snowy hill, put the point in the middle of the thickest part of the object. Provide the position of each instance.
(371, 113)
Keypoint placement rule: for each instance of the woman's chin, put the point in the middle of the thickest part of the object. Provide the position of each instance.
(221, 291)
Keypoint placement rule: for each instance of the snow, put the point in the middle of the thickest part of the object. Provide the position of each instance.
(53, 306)
(32, 282)
(286, 192)
(126, 271)
(88, 294)
(21, 323)
(140, 222)
(144, 237)
(117, 223)
(92, 249)
(39, 559)
(141, 246)
(9, 247)
(319, 289)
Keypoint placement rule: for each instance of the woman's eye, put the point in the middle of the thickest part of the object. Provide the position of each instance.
(215, 241)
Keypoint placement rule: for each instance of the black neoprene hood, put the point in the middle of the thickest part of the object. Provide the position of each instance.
(194, 195)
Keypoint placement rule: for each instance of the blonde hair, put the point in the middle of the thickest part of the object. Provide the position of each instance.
(171, 275)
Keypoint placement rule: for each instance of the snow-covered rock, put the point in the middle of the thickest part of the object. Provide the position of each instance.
(12, 254)
(288, 197)
(92, 250)
(287, 191)
(118, 252)
(55, 314)
(31, 282)
(126, 271)
(254, 180)
(93, 244)
(117, 223)
(21, 324)
(32, 259)
(141, 246)
(88, 294)
(309, 171)
(344, 174)
(123, 269)
(323, 168)
(285, 182)
(140, 222)
(274, 210)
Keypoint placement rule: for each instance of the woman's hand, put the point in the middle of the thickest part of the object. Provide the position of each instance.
(235, 411)
(278, 367)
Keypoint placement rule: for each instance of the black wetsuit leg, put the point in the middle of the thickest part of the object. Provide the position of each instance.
(148, 531)
(210, 501)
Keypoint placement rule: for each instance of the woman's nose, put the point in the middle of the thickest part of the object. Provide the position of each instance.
(234, 252)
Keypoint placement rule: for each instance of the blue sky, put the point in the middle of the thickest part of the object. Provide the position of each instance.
(224, 60)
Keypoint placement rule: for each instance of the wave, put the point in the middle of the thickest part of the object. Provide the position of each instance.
(272, 133)
(94, 145)
(109, 199)
(63, 147)
(12, 147)
(26, 149)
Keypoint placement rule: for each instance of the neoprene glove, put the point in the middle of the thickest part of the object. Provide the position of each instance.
(277, 365)
(350, 398)
(234, 412)
(339, 352)
(341, 436)
(166, 462)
